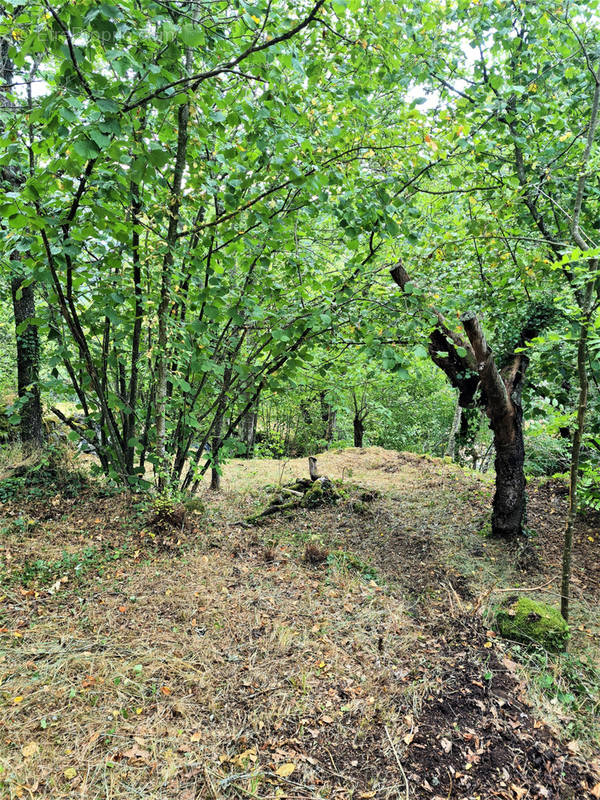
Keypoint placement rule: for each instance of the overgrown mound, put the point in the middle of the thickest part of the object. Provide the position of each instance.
(44, 474)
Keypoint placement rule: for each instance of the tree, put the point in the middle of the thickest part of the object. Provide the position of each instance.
(22, 288)
(470, 365)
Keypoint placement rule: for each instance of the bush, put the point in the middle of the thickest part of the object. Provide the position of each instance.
(589, 488)
(545, 454)
(271, 445)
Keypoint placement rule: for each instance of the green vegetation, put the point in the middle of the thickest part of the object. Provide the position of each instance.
(532, 622)
(237, 233)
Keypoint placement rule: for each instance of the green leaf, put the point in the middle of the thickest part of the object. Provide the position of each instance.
(86, 148)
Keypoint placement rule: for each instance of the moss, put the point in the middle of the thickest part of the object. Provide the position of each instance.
(525, 620)
(321, 493)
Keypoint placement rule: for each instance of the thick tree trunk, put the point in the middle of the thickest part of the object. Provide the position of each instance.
(28, 364)
(509, 498)
(359, 430)
(503, 397)
(23, 299)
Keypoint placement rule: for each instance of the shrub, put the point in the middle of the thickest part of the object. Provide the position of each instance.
(589, 488)
(545, 454)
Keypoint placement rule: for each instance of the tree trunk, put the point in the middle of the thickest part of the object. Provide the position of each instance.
(503, 398)
(331, 424)
(183, 116)
(248, 426)
(328, 418)
(509, 498)
(28, 364)
(359, 430)
(582, 354)
(451, 448)
(23, 299)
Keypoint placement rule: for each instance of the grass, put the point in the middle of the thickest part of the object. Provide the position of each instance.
(212, 670)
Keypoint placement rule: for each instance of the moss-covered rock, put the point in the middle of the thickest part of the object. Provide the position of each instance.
(525, 620)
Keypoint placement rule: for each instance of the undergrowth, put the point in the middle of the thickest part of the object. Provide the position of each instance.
(570, 683)
(41, 572)
(50, 471)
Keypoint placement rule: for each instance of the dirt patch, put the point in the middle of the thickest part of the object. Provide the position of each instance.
(476, 736)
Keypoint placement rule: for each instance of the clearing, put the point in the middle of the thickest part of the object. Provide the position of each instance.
(212, 660)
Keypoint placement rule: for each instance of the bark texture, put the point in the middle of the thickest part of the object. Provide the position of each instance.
(503, 406)
(28, 363)
(359, 430)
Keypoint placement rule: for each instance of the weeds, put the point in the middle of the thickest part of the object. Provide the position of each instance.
(344, 561)
(71, 566)
(569, 681)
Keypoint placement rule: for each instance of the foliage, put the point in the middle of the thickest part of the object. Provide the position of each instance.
(47, 473)
(589, 488)
(546, 455)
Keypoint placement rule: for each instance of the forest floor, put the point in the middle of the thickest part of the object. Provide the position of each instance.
(216, 661)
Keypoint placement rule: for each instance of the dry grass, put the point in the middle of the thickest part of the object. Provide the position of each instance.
(234, 665)
(209, 674)
(376, 467)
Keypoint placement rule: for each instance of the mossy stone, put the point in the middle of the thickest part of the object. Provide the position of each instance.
(525, 620)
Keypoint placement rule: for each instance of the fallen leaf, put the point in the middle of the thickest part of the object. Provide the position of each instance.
(136, 755)
(30, 749)
(165, 690)
(596, 790)
(18, 699)
(446, 745)
(195, 737)
(408, 738)
(70, 773)
(285, 770)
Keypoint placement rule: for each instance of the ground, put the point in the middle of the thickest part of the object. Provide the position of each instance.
(215, 661)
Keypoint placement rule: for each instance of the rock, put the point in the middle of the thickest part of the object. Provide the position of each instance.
(526, 620)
